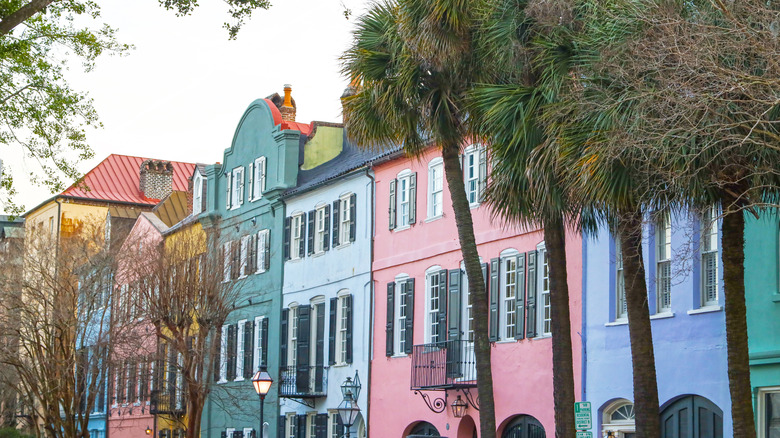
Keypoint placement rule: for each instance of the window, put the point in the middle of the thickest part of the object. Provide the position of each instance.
(240, 355)
(343, 314)
(237, 190)
(402, 302)
(618, 419)
(297, 237)
(335, 426)
(258, 179)
(292, 350)
(403, 199)
(663, 270)
(346, 220)
(768, 412)
(474, 173)
(263, 253)
(223, 349)
(260, 342)
(311, 425)
(621, 311)
(436, 288)
(545, 315)
(197, 193)
(291, 423)
(320, 224)
(435, 188)
(399, 329)
(246, 246)
(509, 283)
(709, 257)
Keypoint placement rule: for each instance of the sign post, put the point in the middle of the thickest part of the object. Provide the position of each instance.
(583, 419)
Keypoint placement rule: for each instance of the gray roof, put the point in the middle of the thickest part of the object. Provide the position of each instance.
(350, 159)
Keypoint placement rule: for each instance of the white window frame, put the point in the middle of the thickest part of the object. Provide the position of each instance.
(709, 247)
(544, 306)
(663, 263)
(290, 424)
(247, 431)
(258, 343)
(508, 256)
(197, 193)
(258, 180)
(296, 236)
(404, 195)
(311, 425)
(292, 336)
(237, 190)
(761, 408)
(244, 252)
(472, 166)
(399, 322)
(319, 229)
(333, 423)
(313, 321)
(229, 432)
(263, 242)
(433, 303)
(621, 307)
(341, 327)
(345, 220)
(240, 350)
(226, 261)
(223, 355)
(435, 188)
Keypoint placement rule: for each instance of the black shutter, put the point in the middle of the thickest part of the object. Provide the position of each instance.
(332, 331)
(223, 434)
(352, 217)
(302, 247)
(409, 284)
(237, 434)
(231, 347)
(300, 429)
(320, 359)
(520, 307)
(336, 223)
(390, 316)
(283, 340)
(264, 336)
(413, 198)
(310, 236)
(442, 305)
(286, 245)
(321, 426)
(494, 298)
(282, 427)
(267, 251)
(453, 325)
(302, 361)
(531, 300)
(326, 231)
(349, 327)
(249, 349)
(391, 209)
(217, 364)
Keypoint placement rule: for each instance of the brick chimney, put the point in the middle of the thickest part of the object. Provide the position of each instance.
(287, 109)
(156, 179)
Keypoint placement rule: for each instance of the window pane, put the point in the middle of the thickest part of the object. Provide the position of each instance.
(773, 415)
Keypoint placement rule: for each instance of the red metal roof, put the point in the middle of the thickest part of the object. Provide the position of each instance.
(305, 128)
(117, 179)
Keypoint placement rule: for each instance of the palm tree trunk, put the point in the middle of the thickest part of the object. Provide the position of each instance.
(562, 362)
(648, 424)
(736, 321)
(468, 247)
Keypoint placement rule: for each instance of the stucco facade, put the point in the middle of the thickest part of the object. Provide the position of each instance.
(513, 260)
(689, 336)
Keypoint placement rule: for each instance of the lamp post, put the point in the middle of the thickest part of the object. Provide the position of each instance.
(262, 382)
(348, 409)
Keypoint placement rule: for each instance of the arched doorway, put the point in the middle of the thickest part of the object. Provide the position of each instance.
(692, 416)
(524, 426)
(423, 429)
(618, 419)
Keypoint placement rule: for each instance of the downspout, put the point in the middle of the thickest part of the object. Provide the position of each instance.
(584, 330)
(371, 297)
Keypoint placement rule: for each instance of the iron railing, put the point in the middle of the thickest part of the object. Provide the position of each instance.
(444, 365)
(303, 381)
(167, 402)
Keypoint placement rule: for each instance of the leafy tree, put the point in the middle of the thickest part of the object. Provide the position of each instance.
(413, 61)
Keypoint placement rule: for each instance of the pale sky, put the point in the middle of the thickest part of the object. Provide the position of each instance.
(179, 95)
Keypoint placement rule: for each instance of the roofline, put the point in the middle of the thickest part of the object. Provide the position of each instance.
(324, 182)
(80, 198)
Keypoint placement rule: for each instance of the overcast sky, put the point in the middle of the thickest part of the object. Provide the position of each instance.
(179, 95)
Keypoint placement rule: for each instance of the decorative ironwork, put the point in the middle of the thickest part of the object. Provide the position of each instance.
(168, 402)
(473, 400)
(437, 405)
(302, 382)
(444, 365)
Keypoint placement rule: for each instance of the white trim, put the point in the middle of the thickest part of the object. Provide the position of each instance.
(662, 315)
(541, 262)
(761, 408)
(705, 309)
(436, 164)
(223, 355)
(258, 180)
(240, 350)
(258, 343)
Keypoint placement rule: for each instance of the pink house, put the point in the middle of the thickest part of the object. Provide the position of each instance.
(423, 359)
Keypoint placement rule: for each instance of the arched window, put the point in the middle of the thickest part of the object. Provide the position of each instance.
(423, 429)
(692, 416)
(618, 419)
(524, 426)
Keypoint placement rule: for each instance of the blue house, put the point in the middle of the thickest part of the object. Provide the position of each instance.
(682, 260)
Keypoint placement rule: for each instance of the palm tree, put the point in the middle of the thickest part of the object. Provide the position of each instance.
(526, 187)
(413, 63)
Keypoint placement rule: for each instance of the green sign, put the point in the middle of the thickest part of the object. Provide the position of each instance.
(582, 416)
(583, 434)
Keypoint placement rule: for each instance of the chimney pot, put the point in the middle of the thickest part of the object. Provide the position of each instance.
(287, 109)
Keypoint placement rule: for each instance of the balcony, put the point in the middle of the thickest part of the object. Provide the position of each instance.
(303, 381)
(444, 365)
(167, 403)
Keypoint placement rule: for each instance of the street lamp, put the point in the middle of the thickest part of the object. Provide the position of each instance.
(148, 430)
(348, 409)
(459, 407)
(262, 382)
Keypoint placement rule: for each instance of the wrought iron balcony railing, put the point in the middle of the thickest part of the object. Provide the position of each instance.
(444, 365)
(303, 381)
(167, 402)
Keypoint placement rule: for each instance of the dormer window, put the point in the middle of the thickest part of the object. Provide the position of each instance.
(197, 194)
